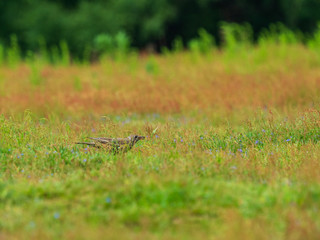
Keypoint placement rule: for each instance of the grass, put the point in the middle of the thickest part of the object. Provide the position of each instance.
(232, 148)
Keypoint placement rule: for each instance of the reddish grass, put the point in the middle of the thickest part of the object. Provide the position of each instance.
(211, 84)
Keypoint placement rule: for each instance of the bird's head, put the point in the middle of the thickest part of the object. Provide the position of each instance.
(136, 138)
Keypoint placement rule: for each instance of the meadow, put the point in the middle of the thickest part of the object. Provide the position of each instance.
(232, 147)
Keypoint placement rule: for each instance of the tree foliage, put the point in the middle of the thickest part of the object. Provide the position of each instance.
(79, 22)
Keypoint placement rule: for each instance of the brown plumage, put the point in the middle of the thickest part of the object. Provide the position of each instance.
(114, 145)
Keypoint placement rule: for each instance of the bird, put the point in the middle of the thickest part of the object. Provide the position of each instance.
(114, 145)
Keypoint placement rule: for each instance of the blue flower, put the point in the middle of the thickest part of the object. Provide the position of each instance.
(240, 150)
(157, 136)
(32, 224)
(56, 215)
(201, 138)
(22, 170)
(288, 140)
(85, 160)
(108, 200)
(257, 141)
(86, 149)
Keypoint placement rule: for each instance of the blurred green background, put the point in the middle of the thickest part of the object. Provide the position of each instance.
(147, 24)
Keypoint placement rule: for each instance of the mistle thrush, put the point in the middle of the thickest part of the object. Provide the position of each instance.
(114, 145)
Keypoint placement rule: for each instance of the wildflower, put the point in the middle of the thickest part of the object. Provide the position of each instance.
(47, 153)
(257, 141)
(32, 224)
(263, 130)
(240, 150)
(201, 138)
(93, 130)
(21, 154)
(175, 140)
(288, 140)
(108, 200)
(22, 170)
(86, 149)
(181, 140)
(85, 160)
(56, 215)
(157, 136)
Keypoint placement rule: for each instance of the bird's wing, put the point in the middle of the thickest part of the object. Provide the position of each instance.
(102, 140)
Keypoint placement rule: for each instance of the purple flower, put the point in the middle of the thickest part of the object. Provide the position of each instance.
(288, 140)
(85, 160)
(181, 140)
(201, 138)
(257, 141)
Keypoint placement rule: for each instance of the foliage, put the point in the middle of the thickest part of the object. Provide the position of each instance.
(146, 22)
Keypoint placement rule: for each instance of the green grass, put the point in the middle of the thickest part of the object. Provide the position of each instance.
(232, 147)
(256, 179)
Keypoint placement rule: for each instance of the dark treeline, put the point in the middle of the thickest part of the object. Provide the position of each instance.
(157, 23)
